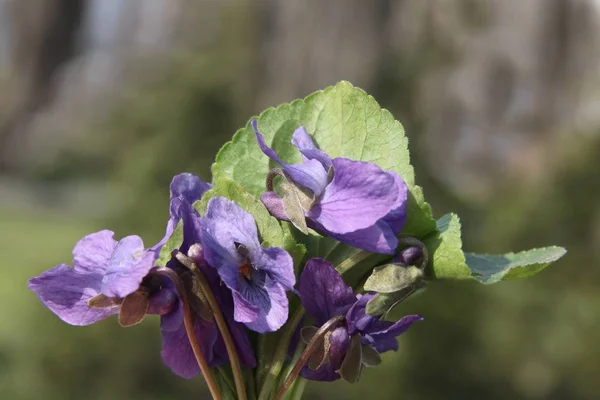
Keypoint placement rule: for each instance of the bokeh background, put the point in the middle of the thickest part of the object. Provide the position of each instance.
(103, 101)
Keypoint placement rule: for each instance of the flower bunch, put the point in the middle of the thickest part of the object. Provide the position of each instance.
(321, 251)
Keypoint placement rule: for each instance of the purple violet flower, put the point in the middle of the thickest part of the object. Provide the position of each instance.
(355, 202)
(177, 353)
(257, 277)
(324, 295)
(105, 274)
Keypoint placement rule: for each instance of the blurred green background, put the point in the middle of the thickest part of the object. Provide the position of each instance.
(103, 101)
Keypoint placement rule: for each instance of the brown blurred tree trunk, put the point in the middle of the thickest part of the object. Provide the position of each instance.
(43, 37)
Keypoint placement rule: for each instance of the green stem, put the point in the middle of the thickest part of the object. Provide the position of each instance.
(298, 389)
(226, 378)
(352, 261)
(188, 321)
(251, 384)
(280, 353)
(236, 368)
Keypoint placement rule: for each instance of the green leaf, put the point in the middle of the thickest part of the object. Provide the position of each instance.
(488, 268)
(391, 278)
(447, 260)
(173, 243)
(383, 303)
(344, 122)
(269, 229)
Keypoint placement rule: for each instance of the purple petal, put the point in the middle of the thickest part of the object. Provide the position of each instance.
(395, 329)
(381, 345)
(188, 187)
(305, 144)
(311, 174)
(409, 256)
(378, 238)
(172, 321)
(129, 264)
(177, 353)
(66, 293)
(162, 302)
(397, 217)
(244, 311)
(224, 225)
(339, 344)
(278, 264)
(274, 204)
(357, 318)
(192, 227)
(238, 331)
(359, 195)
(323, 374)
(93, 252)
(270, 302)
(323, 292)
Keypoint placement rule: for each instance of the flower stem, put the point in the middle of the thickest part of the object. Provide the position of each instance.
(280, 353)
(310, 348)
(188, 321)
(352, 261)
(236, 368)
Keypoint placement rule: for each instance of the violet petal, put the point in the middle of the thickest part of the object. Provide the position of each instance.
(311, 174)
(129, 264)
(177, 353)
(339, 344)
(93, 252)
(66, 293)
(303, 142)
(323, 292)
(274, 204)
(359, 195)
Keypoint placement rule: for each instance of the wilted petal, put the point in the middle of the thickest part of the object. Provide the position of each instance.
(311, 174)
(224, 225)
(339, 344)
(359, 195)
(66, 293)
(278, 264)
(177, 353)
(323, 292)
(305, 144)
(92, 253)
(357, 318)
(129, 264)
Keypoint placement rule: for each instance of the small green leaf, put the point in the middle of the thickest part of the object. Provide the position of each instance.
(293, 201)
(351, 366)
(391, 278)
(370, 356)
(269, 229)
(383, 303)
(344, 121)
(447, 260)
(173, 243)
(488, 268)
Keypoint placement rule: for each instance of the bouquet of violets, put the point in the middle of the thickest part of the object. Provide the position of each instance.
(285, 267)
